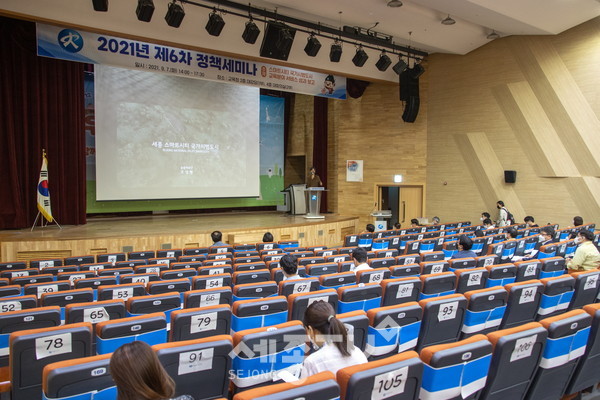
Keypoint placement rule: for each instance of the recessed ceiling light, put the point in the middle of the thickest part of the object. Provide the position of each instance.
(394, 3)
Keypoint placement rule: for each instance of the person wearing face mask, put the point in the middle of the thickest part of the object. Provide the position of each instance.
(587, 256)
(484, 216)
(335, 349)
(547, 235)
(313, 179)
(503, 215)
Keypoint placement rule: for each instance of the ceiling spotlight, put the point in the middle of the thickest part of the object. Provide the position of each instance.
(394, 3)
(448, 20)
(400, 66)
(174, 15)
(335, 54)
(144, 10)
(493, 35)
(360, 58)
(100, 5)
(215, 24)
(312, 45)
(384, 62)
(251, 32)
(416, 71)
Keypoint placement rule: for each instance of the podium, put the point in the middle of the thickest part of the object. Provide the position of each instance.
(297, 199)
(381, 218)
(314, 202)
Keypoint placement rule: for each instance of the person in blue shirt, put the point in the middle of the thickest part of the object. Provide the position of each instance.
(464, 248)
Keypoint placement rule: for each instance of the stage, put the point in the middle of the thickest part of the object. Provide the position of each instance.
(112, 235)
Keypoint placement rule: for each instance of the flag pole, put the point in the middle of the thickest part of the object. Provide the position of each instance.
(43, 196)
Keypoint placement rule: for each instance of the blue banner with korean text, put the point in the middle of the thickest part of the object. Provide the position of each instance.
(87, 47)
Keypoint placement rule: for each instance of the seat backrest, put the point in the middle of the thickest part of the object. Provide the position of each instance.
(201, 322)
(165, 302)
(31, 350)
(359, 297)
(557, 295)
(257, 313)
(435, 285)
(523, 303)
(241, 277)
(547, 251)
(434, 267)
(501, 274)
(255, 290)
(260, 353)
(433, 255)
(207, 297)
(220, 249)
(397, 377)
(199, 368)
(408, 259)
(186, 265)
(487, 260)
(169, 285)
(299, 302)
(336, 280)
(393, 329)
(568, 334)
(516, 354)
(45, 263)
(137, 255)
(131, 263)
(527, 270)
(211, 281)
(442, 319)
(250, 265)
(321, 386)
(110, 257)
(337, 258)
(121, 292)
(149, 328)
(470, 279)
(95, 266)
(462, 263)
(94, 283)
(485, 310)
(17, 303)
(586, 372)
(61, 299)
(372, 275)
(79, 260)
(586, 288)
(401, 290)
(39, 289)
(456, 370)
(386, 253)
(79, 377)
(21, 319)
(10, 290)
(178, 274)
(321, 269)
(115, 271)
(552, 266)
(195, 251)
(357, 325)
(169, 253)
(95, 311)
(384, 262)
(303, 285)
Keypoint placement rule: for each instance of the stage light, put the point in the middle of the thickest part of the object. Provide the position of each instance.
(400, 66)
(312, 46)
(145, 9)
(416, 71)
(251, 32)
(174, 15)
(100, 5)
(335, 54)
(215, 24)
(360, 58)
(384, 62)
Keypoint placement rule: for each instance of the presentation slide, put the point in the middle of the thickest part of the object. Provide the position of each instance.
(166, 137)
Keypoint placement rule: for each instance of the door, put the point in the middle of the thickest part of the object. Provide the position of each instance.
(411, 204)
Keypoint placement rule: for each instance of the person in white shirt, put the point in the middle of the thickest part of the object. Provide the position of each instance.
(289, 266)
(325, 331)
(487, 224)
(359, 255)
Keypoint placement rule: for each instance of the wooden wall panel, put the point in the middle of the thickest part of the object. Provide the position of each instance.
(531, 97)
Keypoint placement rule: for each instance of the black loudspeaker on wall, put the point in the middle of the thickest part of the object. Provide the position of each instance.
(409, 93)
(510, 176)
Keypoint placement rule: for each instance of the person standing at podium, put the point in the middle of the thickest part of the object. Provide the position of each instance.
(313, 179)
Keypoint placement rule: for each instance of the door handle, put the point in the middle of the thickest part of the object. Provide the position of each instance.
(404, 211)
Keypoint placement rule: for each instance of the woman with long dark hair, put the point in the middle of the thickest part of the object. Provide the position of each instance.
(329, 334)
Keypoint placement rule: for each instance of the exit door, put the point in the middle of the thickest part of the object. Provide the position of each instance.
(405, 203)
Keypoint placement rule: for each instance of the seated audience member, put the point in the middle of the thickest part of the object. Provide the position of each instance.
(435, 221)
(289, 266)
(267, 237)
(139, 375)
(479, 233)
(485, 215)
(511, 234)
(547, 235)
(370, 228)
(577, 221)
(216, 237)
(586, 256)
(487, 224)
(464, 248)
(360, 260)
(330, 336)
(530, 222)
(414, 223)
(397, 225)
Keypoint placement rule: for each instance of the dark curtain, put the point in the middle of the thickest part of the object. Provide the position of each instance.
(41, 107)
(320, 144)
